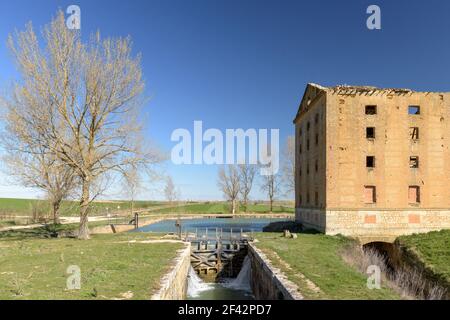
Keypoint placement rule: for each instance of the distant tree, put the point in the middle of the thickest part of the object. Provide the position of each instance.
(132, 184)
(246, 177)
(88, 96)
(170, 191)
(288, 165)
(270, 184)
(228, 182)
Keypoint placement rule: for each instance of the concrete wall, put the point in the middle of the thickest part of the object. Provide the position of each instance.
(268, 282)
(174, 283)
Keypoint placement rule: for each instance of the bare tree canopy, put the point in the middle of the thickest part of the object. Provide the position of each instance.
(246, 177)
(84, 99)
(271, 185)
(170, 191)
(228, 183)
(288, 165)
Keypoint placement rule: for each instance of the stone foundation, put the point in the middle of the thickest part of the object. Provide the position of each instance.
(374, 225)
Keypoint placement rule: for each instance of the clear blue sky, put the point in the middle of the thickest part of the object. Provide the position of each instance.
(245, 64)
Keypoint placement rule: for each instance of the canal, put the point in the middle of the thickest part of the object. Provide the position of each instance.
(216, 288)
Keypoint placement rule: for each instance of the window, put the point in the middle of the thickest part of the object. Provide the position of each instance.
(299, 132)
(317, 139)
(414, 133)
(370, 194)
(414, 194)
(370, 133)
(300, 149)
(371, 110)
(317, 165)
(308, 126)
(300, 199)
(370, 162)
(307, 197)
(316, 119)
(300, 172)
(316, 199)
(414, 162)
(307, 168)
(307, 144)
(414, 110)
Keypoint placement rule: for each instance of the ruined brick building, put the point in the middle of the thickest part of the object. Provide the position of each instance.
(372, 163)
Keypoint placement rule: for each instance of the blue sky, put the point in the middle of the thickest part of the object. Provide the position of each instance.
(245, 64)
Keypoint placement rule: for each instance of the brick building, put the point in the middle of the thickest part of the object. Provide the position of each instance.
(372, 163)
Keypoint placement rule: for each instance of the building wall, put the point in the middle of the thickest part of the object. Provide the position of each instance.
(345, 210)
(348, 147)
(312, 184)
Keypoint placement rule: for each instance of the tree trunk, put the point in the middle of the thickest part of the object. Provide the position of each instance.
(233, 206)
(55, 206)
(271, 205)
(83, 232)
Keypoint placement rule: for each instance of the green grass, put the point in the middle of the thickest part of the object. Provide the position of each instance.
(33, 268)
(317, 257)
(433, 249)
(222, 208)
(68, 208)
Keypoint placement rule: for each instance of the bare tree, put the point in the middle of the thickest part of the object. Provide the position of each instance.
(170, 191)
(288, 165)
(228, 182)
(246, 177)
(270, 184)
(132, 184)
(88, 95)
(38, 169)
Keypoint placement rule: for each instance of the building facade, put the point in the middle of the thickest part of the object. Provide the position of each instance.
(372, 163)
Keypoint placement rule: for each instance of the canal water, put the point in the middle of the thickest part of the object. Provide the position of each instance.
(226, 225)
(227, 289)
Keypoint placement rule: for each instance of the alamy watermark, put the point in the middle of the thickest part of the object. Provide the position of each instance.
(374, 20)
(73, 281)
(374, 279)
(73, 21)
(236, 146)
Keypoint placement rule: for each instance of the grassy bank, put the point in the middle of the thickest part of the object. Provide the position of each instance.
(111, 266)
(25, 207)
(433, 249)
(314, 263)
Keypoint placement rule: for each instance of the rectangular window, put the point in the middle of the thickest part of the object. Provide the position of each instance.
(300, 149)
(414, 133)
(414, 194)
(316, 119)
(300, 199)
(370, 162)
(316, 199)
(317, 139)
(317, 165)
(413, 162)
(370, 194)
(371, 110)
(414, 110)
(307, 144)
(307, 168)
(370, 133)
(307, 198)
(308, 126)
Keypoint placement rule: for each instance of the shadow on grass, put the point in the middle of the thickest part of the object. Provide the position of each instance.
(291, 226)
(44, 232)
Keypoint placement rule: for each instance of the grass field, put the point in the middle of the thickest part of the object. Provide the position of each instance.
(433, 249)
(111, 267)
(223, 208)
(11, 207)
(317, 257)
